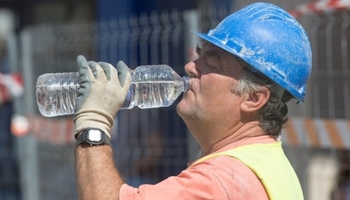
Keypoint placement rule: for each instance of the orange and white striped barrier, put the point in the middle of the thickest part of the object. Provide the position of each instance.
(320, 7)
(315, 132)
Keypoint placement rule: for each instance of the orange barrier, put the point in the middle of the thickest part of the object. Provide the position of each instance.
(319, 7)
(315, 132)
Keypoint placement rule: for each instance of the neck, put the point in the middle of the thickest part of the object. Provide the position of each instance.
(215, 141)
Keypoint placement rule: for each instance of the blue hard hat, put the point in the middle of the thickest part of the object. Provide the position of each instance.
(271, 41)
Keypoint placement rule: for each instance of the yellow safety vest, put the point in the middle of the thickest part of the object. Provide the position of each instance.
(271, 166)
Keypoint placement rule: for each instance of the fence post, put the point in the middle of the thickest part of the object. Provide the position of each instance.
(27, 146)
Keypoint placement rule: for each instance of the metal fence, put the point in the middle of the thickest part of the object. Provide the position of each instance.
(153, 144)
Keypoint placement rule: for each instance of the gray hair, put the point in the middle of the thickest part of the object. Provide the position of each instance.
(273, 115)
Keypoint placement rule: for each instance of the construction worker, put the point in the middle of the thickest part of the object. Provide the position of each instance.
(249, 66)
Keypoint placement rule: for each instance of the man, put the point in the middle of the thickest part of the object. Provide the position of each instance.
(249, 66)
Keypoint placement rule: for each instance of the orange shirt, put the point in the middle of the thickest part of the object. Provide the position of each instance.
(220, 177)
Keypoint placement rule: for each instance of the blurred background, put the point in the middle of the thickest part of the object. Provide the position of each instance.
(46, 36)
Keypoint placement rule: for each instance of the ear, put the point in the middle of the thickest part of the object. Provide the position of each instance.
(255, 101)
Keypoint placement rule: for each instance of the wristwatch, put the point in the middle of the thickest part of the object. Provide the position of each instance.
(93, 137)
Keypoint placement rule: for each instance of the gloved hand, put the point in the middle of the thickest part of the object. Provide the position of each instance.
(102, 92)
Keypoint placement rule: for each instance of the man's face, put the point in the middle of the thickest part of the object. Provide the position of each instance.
(212, 77)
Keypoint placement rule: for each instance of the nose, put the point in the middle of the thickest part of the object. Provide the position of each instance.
(191, 69)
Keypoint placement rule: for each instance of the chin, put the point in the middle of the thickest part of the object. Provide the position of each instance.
(181, 108)
(184, 110)
(185, 107)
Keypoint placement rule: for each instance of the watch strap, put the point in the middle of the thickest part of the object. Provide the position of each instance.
(84, 137)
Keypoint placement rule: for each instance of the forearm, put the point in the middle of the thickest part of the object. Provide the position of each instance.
(97, 177)
(102, 91)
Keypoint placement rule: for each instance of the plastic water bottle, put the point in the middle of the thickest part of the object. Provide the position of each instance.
(152, 86)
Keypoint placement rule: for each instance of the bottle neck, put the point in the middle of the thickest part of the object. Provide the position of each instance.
(186, 83)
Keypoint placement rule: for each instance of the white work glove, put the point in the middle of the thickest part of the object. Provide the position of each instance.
(102, 92)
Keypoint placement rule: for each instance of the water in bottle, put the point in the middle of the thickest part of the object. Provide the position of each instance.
(56, 93)
(152, 86)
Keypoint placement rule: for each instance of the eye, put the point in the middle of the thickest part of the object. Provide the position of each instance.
(211, 63)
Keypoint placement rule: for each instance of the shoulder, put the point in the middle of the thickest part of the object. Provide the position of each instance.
(234, 177)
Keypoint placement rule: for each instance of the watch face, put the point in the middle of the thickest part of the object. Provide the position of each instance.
(95, 135)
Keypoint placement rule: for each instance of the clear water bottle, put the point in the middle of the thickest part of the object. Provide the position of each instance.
(152, 86)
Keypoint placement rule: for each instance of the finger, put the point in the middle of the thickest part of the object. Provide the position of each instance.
(123, 73)
(82, 64)
(93, 67)
(106, 68)
(83, 69)
(85, 82)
